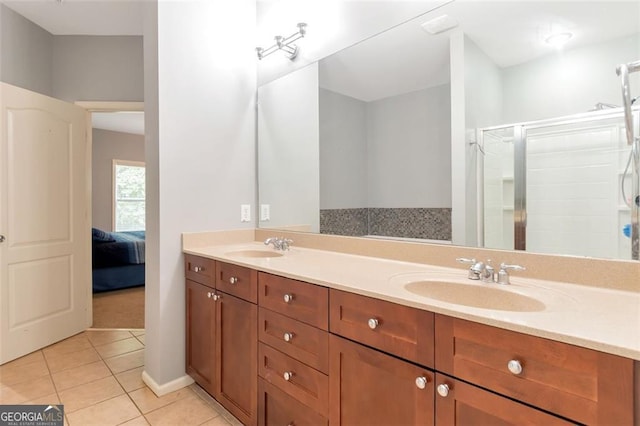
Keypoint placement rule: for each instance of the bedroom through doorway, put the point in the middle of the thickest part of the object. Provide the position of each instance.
(118, 214)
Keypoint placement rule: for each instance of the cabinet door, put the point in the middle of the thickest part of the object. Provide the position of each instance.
(276, 408)
(237, 357)
(464, 404)
(200, 321)
(367, 387)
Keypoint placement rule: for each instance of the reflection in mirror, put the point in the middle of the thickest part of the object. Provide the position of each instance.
(410, 134)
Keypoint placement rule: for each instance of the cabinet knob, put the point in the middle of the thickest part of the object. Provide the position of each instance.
(288, 337)
(216, 297)
(421, 382)
(1, 238)
(209, 295)
(288, 298)
(198, 269)
(514, 367)
(288, 375)
(233, 280)
(443, 390)
(373, 323)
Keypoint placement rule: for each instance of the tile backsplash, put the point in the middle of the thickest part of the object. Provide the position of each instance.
(422, 223)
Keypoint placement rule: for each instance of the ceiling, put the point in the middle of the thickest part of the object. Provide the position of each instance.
(125, 122)
(408, 58)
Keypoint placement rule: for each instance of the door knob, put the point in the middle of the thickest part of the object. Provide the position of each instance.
(1, 238)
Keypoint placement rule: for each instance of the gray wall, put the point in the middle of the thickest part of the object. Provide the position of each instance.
(569, 82)
(343, 151)
(109, 146)
(26, 53)
(71, 68)
(408, 149)
(98, 68)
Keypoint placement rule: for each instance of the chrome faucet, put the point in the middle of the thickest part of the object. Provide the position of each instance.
(278, 243)
(486, 273)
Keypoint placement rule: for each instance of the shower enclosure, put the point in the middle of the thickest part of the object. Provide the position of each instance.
(558, 186)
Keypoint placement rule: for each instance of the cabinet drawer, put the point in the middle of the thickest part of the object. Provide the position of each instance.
(465, 404)
(302, 382)
(305, 302)
(199, 269)
(276, 408)
(298, 340)
(577, 383)
(238, 281)
(400, 330)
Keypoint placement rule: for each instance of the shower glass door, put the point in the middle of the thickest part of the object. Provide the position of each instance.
(555, 186)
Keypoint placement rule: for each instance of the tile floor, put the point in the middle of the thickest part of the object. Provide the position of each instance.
(97, 376)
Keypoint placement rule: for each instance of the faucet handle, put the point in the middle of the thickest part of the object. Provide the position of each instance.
(503, 275)
(466, 260)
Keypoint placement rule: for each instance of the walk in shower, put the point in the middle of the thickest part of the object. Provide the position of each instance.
(560, 186)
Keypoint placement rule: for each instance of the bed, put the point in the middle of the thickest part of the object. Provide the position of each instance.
(118, 259)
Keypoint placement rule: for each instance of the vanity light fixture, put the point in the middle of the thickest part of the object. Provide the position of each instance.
(285, 44)
(558, 40)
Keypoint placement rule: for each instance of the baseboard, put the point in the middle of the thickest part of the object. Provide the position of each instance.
(166, 388)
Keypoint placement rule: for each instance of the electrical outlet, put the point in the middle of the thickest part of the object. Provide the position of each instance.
(265, 213)
(245, 213)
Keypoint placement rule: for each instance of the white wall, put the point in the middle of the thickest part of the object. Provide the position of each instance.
(98, 68)
(568, 82)
(109, 146)
(199, 150)
(288, 124)
(483, 108)
(408, 150)
(343, 151)
(25, 53)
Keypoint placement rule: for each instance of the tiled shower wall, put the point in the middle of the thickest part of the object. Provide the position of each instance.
(423, 223)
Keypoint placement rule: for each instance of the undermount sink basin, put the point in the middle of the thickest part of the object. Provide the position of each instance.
(477, 296)
(254, 253)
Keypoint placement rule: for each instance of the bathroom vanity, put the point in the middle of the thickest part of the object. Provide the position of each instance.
(277, 338)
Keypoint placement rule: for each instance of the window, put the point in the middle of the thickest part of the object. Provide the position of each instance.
(128, 196)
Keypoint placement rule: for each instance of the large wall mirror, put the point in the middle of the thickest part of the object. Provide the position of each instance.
(466, 125)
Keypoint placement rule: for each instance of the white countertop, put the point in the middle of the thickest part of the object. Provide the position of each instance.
(598, 318)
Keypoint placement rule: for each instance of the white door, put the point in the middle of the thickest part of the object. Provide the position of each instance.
(45, 261)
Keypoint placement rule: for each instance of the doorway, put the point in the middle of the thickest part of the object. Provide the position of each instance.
(118, 202)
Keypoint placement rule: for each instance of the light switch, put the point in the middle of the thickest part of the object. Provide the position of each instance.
(265, 213)
(245, 213)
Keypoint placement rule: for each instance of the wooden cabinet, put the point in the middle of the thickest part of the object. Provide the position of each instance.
(200, 334)
(399, 330)
(293, 352)
(278, 351)
(367, 387)
(580, 384)
(222, 334)
(459, 403)
(236, 352)
(277, 408)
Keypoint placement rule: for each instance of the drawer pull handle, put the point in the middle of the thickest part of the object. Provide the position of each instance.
(288, 337)
(421, 382)
(288, 375)
(216, 297)
(288, 298)
(198, 269)
(514, 367)
(443, 390)
(373, 323)
(233, 280)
